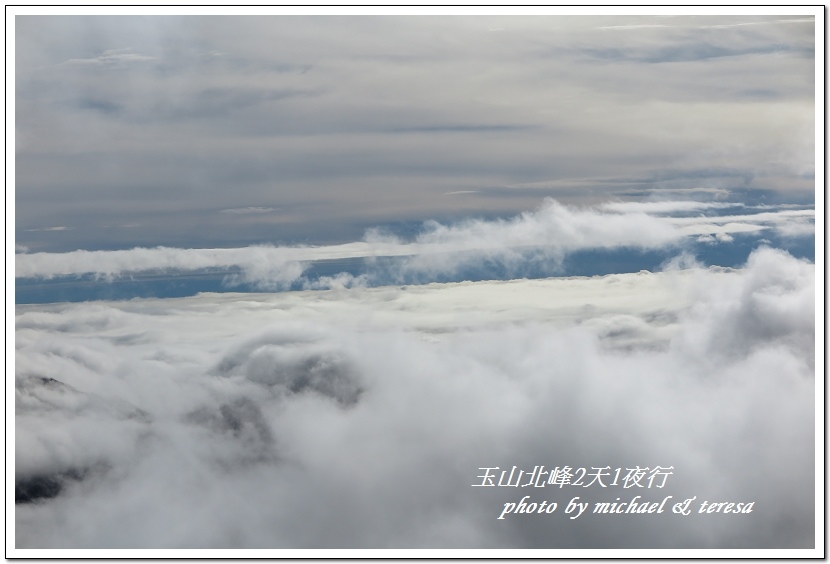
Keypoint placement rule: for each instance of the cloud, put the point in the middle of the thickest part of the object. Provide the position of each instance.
(274, 265)
(665, 207)
(716, 238)
(771, 22)
(249, 210)
(688, 53)
(770, 307)
(540, 237)
(56, 228)
(683, 192)
(393, 118)
(459, 128)
(635, 26)
(360, 418)
(798, 227)
(681, 262)
(112, 58)
(787, 221)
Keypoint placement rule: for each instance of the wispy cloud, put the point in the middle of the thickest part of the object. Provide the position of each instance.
(545, 235)
(768, 22)
(664, 207)
(249, 210)
(111, 58)
(56, 228)
(713, 26)
(634, 26)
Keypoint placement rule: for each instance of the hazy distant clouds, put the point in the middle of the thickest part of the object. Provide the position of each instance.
(345, 122)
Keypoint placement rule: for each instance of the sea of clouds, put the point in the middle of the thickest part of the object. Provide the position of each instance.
(360, 417)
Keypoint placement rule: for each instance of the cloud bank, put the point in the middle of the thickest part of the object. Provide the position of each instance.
(544, 235)
(361, 418)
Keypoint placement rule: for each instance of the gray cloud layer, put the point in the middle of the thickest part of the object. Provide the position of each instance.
(143, 130)
(360, 418)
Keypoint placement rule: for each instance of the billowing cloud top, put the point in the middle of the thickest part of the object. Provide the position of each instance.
(362, 418)
(550, 231)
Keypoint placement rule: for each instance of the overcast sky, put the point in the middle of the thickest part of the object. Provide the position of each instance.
(224, 131)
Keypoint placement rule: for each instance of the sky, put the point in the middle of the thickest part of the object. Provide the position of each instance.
(228, 131)
(294, 282)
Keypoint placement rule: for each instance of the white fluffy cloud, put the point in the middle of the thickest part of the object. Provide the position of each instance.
(549, 233)
(360, 418)
(260, 263)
